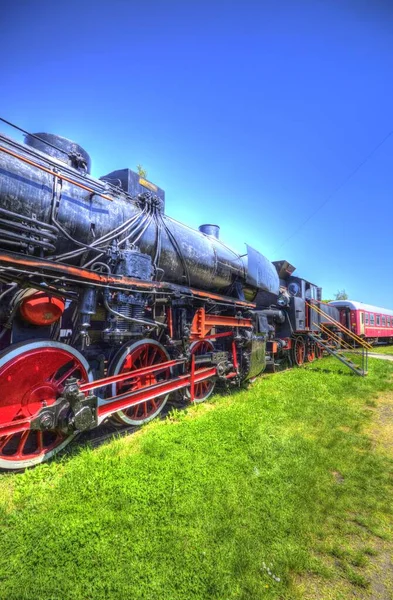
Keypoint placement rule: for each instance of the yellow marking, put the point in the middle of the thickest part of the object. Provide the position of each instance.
(148, 185)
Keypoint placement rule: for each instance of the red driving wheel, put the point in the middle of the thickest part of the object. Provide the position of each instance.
(32, 375)
(144, 353)
(202, 389)
(310, 354)
(299, 352)
(319, 351)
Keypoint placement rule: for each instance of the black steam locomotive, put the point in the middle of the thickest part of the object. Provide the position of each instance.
(107, 305)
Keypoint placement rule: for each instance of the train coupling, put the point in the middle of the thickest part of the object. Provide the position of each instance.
(73, 411)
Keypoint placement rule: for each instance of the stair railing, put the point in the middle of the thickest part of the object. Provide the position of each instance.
(343, 345)
(340, 326)
(328, 332)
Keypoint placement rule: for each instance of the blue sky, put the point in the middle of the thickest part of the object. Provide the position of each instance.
(249, 114)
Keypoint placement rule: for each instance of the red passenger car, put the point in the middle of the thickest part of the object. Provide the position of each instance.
(370, 322)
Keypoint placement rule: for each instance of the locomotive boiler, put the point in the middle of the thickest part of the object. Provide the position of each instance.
(119, 211)
(108, 306)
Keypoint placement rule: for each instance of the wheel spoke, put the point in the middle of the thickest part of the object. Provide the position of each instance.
(5, 441)
(59, 381)
(137, 363)
(144, 357)
(22, 442)
(40, 441)
(153, 354)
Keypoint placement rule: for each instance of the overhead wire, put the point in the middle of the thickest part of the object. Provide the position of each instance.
(37, 137)
(337, 189)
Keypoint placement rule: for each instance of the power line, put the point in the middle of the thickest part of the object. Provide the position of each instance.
(330, 196)
(33, 136)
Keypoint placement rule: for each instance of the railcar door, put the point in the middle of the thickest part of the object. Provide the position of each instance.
(354, 323)
(361, 322)
(344, 316)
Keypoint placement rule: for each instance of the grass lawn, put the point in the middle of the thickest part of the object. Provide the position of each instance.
(279, 491)
(382, 349)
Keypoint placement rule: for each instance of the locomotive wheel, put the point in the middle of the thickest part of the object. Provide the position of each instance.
(32, 375)
(141, 354)
(318, 351)
(310, 353)
(203, 389)
(299, 351)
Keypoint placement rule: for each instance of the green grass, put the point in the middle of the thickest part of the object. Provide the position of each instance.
(235, 499)
(382, 349)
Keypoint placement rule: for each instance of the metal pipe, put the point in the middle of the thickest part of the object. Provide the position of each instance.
(54, 174)
(20, 217)
(131, 319)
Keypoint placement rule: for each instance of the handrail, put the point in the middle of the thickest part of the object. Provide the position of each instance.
(334, 337)
(347, 345)
(359, 370)
(59, 175)
(344, 329)
(362, 352)
(341, 327)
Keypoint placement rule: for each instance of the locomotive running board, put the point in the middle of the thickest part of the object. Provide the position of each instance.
(73, 274)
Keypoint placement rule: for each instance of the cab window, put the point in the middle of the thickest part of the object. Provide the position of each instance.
(293, 289)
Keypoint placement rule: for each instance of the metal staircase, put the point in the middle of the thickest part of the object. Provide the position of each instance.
(332, 337)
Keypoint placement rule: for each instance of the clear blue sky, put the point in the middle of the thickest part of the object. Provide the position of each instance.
(248, 113)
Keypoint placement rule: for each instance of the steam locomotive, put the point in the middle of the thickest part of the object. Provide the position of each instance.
(108, 306)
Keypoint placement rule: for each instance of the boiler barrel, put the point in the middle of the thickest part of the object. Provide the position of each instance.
(187, 256)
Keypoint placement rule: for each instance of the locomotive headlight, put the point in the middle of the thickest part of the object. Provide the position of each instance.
(282, 300)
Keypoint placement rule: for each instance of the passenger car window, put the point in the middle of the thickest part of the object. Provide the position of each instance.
(366, 318)
(383, 321)
(378, 319)
(372, 319)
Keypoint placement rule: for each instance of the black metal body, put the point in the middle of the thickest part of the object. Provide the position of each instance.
(59, 147)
